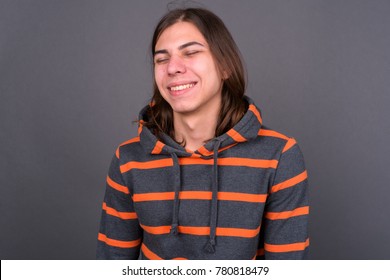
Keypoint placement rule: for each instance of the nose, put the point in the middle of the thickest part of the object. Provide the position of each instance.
(176, 65)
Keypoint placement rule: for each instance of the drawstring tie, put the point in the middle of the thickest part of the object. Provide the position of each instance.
(176, 184)
(210, 245)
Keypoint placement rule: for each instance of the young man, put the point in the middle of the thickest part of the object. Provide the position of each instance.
(204, 179)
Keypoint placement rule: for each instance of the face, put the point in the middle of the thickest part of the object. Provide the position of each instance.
(185, 71)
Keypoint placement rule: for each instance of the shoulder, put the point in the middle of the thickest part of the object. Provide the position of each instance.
(277, 139)
(127, 146)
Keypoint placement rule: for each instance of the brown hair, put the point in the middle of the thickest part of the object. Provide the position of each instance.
(228, 59)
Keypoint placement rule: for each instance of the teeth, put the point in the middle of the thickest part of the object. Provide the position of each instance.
(182, 87)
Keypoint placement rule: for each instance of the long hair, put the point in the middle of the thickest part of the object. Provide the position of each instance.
(228, 59)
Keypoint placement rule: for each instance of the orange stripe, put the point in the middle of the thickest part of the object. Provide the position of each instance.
(121, 215)
(146, 165)
(245, 197)
(290, 182)
(195, 195)
(153, 256)
(133, 140)
(256, 112)
(153, 196)
(271, 133)
(156, 230)
(195, 155)
(237, 232)
(258, 163)
(190, 161)
(202, 195)
(117, 186)
(290, 143)
(149, 254)
(206, 152)
(300, 246)
(158, 147)
(235, 135)
(227, 147)
(118, 243)
(194, 230)
(287, 214)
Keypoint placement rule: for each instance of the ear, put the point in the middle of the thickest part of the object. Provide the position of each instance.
(225, 75)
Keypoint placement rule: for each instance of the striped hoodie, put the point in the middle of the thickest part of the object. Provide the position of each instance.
(243, 195)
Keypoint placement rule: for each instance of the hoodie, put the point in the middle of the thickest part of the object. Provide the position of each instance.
(243, 195)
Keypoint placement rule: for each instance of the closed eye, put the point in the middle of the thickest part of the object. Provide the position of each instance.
(161, 60)
(190, 53)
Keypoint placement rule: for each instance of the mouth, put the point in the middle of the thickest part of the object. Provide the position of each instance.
(178, 88)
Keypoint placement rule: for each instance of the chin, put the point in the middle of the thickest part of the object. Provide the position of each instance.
(182, 111)
(182, 108)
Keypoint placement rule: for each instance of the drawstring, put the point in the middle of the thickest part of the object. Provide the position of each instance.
(176, 175)
(210, 245)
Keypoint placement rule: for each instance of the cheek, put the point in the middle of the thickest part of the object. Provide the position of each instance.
(207, 68)
(158, 76)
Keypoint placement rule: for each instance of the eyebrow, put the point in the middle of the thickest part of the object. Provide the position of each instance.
(186, 45)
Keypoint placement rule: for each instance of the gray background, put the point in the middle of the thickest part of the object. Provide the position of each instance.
(74, 74)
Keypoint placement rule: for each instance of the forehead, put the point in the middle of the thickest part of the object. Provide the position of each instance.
(179, 34)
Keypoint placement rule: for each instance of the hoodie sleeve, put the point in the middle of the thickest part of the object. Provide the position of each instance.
(120, 235)
(284, 230)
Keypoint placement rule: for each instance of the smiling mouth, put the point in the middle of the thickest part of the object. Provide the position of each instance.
(181, 87)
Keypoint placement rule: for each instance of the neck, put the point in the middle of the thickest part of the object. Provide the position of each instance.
(195, 130)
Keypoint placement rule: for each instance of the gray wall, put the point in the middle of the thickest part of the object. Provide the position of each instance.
(74, 74)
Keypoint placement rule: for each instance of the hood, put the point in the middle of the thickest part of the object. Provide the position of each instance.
(245, 130)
